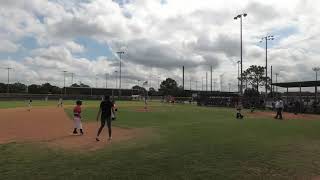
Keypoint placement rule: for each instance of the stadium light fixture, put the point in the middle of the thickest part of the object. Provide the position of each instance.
(277, 74)
(120, 53)
(240, 16)
(116, 79)
(316, 70)
(266, 39)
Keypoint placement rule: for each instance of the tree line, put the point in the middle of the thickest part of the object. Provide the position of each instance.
(253, 78)
(45, 88)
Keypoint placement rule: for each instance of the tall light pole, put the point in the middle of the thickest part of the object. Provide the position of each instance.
(72, 74)
(202, 84)
(316, 69)
(116, 79)
(206, 81)
(211, 78)
(271, 83)
(277, 74)
(238, 62)
(120, 53)
(229, 84)
(64, 82)
(183, 77)
(8, 82)
(266, 39)
(240, 16)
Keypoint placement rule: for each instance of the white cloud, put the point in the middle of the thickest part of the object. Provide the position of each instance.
(8, 46)
(74, 47)
(160, 38)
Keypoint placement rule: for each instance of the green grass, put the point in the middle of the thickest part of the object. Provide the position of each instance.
(189, 142)
(36, 103)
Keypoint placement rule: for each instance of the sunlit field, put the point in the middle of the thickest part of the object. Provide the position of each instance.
(183, 142)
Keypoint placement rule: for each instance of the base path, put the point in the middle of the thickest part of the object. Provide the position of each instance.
(285, 115)
(53, 127)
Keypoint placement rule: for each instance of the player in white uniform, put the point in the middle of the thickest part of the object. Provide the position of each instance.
(29, 104)
(60, 102)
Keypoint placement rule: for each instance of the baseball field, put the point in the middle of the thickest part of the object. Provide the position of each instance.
(165, 142)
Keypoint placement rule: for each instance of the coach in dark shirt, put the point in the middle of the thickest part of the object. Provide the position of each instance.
(106, 106)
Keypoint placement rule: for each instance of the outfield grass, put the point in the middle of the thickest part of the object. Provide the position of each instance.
(189, 142)
(37, 103)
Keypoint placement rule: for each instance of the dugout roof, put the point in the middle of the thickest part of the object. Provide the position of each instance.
(297, 84)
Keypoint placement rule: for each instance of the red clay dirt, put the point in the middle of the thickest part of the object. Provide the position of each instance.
(53, 127)
(287, 116)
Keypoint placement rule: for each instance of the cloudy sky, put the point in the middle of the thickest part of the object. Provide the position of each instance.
(42, 38)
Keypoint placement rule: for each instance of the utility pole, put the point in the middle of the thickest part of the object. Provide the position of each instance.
(190, 84)
(116, 79)
(240, 16)
(120, 53)
(238, 76)
(271, 86)
(316, 69)
(277, 74)
(202, 84)
(72, 78)
(266, 39)
(211, 79)
(8, 82)
(221, 82)
(183, 77)
(229, 84)
(206, 81)
(64, 82)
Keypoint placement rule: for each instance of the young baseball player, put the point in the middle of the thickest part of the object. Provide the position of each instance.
(113, 113)
(239, 108)
(60, 102)
(29, 104)
(145, 103)
(77, 118)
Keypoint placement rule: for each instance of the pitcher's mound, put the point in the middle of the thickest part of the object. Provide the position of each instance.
(52, 127)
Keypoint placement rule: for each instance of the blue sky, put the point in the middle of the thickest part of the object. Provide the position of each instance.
(93, 49)
(159, 36)
(26, 44)
(280, 34)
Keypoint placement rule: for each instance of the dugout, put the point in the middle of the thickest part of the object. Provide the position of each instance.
(100, 91)
(308, 102)
(218, 99)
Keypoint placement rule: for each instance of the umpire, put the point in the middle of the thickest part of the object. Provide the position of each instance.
(279, 108)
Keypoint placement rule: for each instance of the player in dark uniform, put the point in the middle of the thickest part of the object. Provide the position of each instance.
(106, 107)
